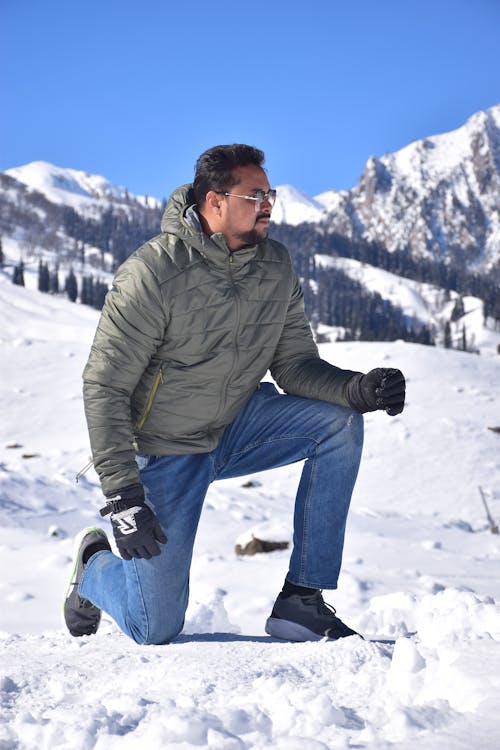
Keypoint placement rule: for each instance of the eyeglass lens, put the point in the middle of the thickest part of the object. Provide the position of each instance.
(261, 196)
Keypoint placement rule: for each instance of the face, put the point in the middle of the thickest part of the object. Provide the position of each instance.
(240, 223)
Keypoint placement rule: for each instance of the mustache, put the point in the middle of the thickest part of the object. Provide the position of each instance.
(263, 215)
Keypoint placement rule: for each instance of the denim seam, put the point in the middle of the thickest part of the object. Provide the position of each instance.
(274, 439)
(313, 584)
(225, 460)
(305, 533)
(141, 597)
(213, 472)
(261, 443)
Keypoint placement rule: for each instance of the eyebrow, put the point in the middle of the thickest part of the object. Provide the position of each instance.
(255, 189)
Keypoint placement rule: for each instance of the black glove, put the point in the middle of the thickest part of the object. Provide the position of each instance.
(381, 388)
(135, 527)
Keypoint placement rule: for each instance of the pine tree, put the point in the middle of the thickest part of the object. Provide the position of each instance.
(18, 276)
(43, 277)
(2, 256)
(87, 294)
(71, 286)
(448, 343)
(54, 281)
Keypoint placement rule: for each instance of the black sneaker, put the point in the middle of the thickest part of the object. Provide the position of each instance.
(81, 616)
(305, 618)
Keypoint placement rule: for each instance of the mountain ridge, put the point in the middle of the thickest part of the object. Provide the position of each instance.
(73, 187)
(428, 213)
(436, 197)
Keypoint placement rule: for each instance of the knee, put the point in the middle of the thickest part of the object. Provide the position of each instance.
(355, 426)
(339, 417)
(158, 638)
(344, 424)
(154, 634)
(355, 420)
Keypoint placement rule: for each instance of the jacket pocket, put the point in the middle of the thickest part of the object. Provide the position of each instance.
(149, 403)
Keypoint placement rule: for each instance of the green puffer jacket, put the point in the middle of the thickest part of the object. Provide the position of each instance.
(186, 334)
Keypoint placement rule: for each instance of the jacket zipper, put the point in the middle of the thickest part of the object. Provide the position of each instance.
(235, 338)
(156, 384)
(149, 404)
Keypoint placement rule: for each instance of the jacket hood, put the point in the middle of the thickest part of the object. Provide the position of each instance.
(178, 203)
(181, 219)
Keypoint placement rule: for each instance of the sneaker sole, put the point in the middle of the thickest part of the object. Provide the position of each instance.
(76, 551)
(72, 580)
(287, 630)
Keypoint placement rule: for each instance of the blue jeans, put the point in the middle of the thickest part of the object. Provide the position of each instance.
(148, 598)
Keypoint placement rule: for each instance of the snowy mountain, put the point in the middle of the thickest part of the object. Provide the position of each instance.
(294, 207)
(438, 197)
(419, 580)
(64, 215)
(72, 187)
(429, 213)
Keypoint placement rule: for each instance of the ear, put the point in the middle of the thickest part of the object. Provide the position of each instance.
(213, 202)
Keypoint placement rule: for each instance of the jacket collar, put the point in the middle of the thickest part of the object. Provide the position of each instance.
(181, 219)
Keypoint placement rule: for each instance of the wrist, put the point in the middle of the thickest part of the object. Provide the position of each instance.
(126, 498)
(357, 396)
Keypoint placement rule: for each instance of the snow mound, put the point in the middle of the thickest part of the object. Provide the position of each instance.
(223, 690)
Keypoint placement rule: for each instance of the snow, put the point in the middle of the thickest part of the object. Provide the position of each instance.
(85, 192)
(71, 187)
(436, 192)
(331, 199)
(422, 303)
(294, 207)
(420, 577)
(442, 155)
(401, 292)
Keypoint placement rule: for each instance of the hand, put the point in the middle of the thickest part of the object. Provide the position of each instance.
(381, 388)
(135, 527)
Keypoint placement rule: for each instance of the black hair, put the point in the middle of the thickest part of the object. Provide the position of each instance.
(214, 168)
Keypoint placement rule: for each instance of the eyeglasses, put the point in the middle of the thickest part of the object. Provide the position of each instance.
(260, 197)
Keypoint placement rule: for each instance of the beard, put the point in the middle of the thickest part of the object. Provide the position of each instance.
(255, 235)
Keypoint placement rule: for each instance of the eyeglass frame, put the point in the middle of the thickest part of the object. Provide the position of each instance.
(268, 196)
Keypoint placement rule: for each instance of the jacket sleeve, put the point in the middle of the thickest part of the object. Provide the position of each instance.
(297, 367)
(130, 330)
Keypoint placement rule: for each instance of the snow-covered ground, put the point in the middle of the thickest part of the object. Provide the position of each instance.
(420, 578)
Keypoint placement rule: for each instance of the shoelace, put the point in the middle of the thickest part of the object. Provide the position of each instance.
(325, 608)
(322, 607)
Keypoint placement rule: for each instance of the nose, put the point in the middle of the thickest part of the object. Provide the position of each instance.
(267, 201)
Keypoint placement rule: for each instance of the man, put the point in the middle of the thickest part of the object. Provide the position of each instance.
(174, 400)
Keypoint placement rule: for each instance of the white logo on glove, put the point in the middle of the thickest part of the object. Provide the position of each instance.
(125, 520)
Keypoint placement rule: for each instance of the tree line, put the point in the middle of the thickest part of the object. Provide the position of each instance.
(306, 240)
(89, 291)
(331, 296)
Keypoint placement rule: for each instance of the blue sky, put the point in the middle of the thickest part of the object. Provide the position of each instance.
(137, 90)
